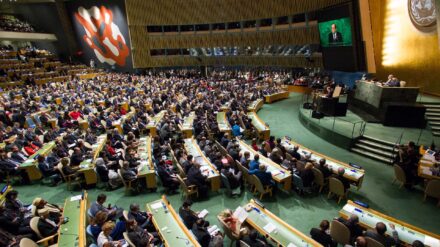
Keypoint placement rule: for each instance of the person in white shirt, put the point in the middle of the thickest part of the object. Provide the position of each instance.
(104, 238)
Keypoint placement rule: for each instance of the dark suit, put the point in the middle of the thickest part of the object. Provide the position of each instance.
(387, 241)
(138, 237)
(307, 177)
(76, 159)
(355, 229)
(335, 37)
(344, 181)
(202, 235)
(165, 177)
(46, 168)
(265, 177)
(188, 217)
(195, 177)
(18, 156)
(141, 218)
(322, 238)
(46, 229)
(8, 165)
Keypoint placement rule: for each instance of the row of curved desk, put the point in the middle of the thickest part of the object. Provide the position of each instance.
(206, 167)
(352, 174)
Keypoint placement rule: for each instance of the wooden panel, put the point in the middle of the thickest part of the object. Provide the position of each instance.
(170, 61)
(174, 12)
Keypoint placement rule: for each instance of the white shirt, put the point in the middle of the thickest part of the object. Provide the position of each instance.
(102, 239)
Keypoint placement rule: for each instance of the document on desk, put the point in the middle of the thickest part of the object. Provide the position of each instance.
(426, 170)
(75, 198)
(269, 228)
(157, 205)
(213, 230)
(203, 213)
(241, 214)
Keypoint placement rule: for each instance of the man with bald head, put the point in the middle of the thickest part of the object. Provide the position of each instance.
(340, 176)
(379, 234)
(352, 223)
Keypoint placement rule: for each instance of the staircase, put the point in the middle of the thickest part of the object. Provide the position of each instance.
(433, 117)
(375, 149)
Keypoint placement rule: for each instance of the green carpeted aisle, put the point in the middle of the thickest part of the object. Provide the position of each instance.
(301, 212)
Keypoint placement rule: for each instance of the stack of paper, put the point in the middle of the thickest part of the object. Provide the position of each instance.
(213, 230)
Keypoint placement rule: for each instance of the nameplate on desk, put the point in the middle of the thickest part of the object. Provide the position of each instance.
(269, 228)
(156, 205)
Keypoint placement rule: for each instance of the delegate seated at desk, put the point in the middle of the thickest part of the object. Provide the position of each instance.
(392, 81)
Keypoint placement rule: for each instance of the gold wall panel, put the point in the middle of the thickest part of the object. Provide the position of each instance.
(171, 61)
(403, 50)
(292, 37)
(141, 13)
(177, 12)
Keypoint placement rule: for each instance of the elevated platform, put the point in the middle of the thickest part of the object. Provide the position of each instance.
(343, 131)
(21, 36)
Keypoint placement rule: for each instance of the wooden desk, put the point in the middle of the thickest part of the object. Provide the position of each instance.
(276, 96)
(53, 122)
(30, 166)
(354, 175)
(73, 233)
(206, 167)
(87, 166)
(425, 164)
(279, 174)
(223, 123)
(118, 123)
(169, 225)
(147, 166)
(187, 126)
(261, 127)
(283, 235)
(407, 233)
(255, 105)
(58, 101)
(83, 124)
(154, 122)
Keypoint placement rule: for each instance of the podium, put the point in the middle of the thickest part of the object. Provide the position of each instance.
(388, 103)
(331, 106)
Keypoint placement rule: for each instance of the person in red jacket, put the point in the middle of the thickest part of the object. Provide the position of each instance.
(30, 148)
(75, 114)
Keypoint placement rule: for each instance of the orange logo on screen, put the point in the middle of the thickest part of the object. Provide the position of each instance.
(102, 35)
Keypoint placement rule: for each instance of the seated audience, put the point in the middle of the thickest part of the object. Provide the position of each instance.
(113, 212)
(379, 234)
(322, 236)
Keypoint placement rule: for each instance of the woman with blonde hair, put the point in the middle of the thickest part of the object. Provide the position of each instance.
(307, 175)
(227, 216)
(97, 224)
(104, 238)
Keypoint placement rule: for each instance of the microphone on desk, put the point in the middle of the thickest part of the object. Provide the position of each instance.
(259, 203)
(186, 240)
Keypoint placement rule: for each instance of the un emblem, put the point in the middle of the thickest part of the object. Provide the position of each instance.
(422, 14)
